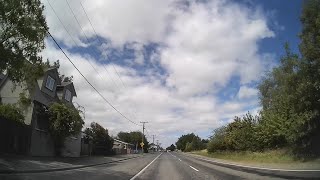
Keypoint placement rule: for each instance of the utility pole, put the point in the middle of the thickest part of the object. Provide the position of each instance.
(153, 142)
(143, 123)
(157, 145)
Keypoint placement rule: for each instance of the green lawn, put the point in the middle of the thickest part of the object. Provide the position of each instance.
(271, 158)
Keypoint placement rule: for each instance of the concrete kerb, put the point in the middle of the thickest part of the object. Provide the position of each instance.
(10, 171)
(283, 173)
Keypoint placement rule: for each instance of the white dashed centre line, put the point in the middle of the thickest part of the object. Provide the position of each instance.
(193, 168)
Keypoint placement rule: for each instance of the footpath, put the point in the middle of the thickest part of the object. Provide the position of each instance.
(22, 164)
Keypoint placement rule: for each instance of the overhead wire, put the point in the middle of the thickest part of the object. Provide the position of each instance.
(81, 28)
(88, 80)
(71, 36)
(108, 58)
(57, 44)
(100, 42)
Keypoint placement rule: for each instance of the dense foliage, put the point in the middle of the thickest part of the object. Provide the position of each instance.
(64, 121)
(134, 137)
(22, 33)
(290, 100)
(11, 112)
(100, 138)
(190, 142)
(171, 147)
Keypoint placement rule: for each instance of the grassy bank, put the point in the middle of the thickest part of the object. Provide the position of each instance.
(273, 158)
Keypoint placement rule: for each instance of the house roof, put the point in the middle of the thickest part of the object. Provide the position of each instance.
(117, 140)
(64, 84)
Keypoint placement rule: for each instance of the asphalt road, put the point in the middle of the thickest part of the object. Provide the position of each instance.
(151, 166)
(178, 166)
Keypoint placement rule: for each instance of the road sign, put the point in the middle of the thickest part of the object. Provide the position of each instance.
(142, 144)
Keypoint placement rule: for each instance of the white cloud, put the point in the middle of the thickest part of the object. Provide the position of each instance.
(247, 92)
(212, 42)
(124, 21)
(201, 47)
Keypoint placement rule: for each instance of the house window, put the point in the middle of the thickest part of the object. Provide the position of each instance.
(67, 96)
(50, 83)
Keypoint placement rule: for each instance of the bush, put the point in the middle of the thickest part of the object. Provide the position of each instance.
(63, 122)
(11, 112)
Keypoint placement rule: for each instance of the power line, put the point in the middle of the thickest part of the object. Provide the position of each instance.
(89, 81)
(75, 17)
(108, 58)
(89, 61)
(61, 22)
(100, 42)
(72, 37)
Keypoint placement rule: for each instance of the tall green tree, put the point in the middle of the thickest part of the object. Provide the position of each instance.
(171, 147)
(100, 138)
(309, 87)
(183, 140)
(63, 122)
(23, 29)
(134, 137)
(190, 142)
(290, 93)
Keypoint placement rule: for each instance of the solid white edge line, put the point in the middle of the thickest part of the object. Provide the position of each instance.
(193, 168)
(134, 177)
(259, 168)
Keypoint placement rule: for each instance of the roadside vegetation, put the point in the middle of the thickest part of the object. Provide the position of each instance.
(287, 128)
(191, 142)
(135, 138)
(64, 121)
(11, 112)
(100, 138)
(290, 99)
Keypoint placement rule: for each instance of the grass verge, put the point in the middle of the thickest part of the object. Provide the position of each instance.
(273, 158)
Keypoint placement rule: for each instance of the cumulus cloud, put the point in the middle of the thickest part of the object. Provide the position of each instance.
(200, 47)
(247, 92)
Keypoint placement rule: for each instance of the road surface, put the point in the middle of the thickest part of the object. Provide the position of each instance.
(151, 166)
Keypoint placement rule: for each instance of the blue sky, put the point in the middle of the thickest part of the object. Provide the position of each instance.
(285, 21)
(183, 65)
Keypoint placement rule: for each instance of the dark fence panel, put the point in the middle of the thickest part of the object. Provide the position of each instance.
(14, 137)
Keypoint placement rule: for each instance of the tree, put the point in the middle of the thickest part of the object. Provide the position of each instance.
(309, 86)
(100, 138)
(171, 147)
(290, 99)
(218, 140)
(134, 137)
(22, 33)
(124, 136)
(183, 140)
(190, 142)
(63, 122)
(11, 112)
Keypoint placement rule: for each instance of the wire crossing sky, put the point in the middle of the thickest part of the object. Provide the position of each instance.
(184, 66)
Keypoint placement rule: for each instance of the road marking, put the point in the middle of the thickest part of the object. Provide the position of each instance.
(134, 177)
(172, 155)
(193, 168)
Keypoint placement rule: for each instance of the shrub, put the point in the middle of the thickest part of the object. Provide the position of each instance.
(11, 112)
(63, 122)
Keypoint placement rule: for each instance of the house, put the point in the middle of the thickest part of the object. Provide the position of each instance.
(46, 90)
(120, 147)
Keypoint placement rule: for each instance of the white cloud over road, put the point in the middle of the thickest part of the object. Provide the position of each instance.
(201, 46)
